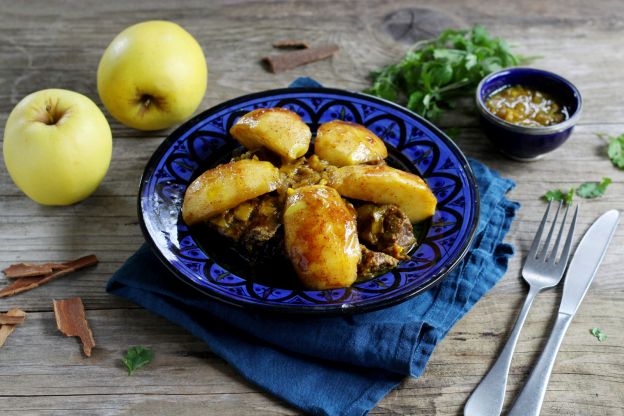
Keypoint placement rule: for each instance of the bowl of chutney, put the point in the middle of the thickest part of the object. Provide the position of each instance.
(527, 112)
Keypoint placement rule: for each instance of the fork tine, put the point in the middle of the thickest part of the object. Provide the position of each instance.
(550, 233)
(538, 235)
(553, 254)
(566, 249)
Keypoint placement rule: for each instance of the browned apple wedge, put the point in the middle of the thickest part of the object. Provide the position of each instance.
(321, 237)
(278, 129)
(386, 185)
(342, 144)
(226, 186)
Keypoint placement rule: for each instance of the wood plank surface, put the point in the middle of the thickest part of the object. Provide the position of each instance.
(58, 44)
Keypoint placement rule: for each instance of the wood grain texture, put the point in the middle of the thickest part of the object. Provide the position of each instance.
(58, 44)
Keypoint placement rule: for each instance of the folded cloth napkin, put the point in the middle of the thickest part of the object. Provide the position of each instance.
(340, 365)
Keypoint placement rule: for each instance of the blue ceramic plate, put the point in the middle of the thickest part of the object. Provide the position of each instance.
(205, 263)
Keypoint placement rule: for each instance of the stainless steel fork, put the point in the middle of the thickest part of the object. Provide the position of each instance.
(542, 269)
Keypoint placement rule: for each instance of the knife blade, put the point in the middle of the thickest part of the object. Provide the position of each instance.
(587, 258)
(580, 274)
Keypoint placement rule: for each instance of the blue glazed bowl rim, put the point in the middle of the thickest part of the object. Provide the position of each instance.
(535, 131)
(458, 256)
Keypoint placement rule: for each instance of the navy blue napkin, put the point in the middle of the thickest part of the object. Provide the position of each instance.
(335, 365)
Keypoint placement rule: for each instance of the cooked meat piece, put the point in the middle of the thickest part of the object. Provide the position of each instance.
(263, 224)
(251, 223)
(230, 225)
(374, 263)
(304, 172)
(385, 228)
(258, 154)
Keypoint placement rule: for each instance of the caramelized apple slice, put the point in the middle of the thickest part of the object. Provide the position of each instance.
(321, 237)
(226, 186)
(342, 144)
(386, 185)
(278, 129)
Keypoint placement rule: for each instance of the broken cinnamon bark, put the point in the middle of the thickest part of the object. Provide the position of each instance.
(293, 59)
(72, 322)
(6, 319)
(15, 271)
(7, 329)
(290, 44)
(23, 284)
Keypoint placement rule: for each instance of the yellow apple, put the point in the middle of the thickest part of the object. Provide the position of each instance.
(57, 146)
(152, 76)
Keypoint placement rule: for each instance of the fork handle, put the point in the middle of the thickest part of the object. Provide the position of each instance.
(529, 402)
(488, 398)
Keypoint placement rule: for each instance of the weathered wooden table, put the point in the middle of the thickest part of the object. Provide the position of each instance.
(45, 45)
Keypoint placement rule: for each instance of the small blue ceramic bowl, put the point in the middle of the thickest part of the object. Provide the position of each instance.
(521, 142)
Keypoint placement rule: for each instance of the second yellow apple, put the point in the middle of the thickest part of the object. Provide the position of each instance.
(152, 76)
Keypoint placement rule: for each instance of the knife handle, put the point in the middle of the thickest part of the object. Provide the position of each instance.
(530, 399)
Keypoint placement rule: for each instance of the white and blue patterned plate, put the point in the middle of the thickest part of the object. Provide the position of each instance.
(414, 144)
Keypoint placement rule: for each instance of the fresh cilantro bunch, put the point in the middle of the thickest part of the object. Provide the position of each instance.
(435, 72)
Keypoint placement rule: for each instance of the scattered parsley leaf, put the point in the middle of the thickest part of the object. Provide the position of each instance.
(435, 72)
(598, 333)
(452, 132)
(615, 150)
(137, 357)
(593, 189)
(559, 195)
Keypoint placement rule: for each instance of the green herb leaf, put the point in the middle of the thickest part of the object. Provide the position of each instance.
(452, 132)
(137, 357)
(616, 150)
(598, 333)
(593, 189)
(559, 195)
(437, 71)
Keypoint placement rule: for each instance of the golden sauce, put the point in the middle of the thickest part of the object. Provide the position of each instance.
(526, 107)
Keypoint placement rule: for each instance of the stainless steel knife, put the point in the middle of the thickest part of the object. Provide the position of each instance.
(581, 272)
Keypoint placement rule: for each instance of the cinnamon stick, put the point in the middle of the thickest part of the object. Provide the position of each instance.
(290, 44)
(293, 59)
(27, 283)
(15, 271)
(7, 329)
(72, 322)
(7, 319)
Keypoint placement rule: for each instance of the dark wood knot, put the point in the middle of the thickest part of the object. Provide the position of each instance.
(416, 24)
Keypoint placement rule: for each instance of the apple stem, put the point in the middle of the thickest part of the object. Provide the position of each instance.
(50, 115)
(147, 100)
